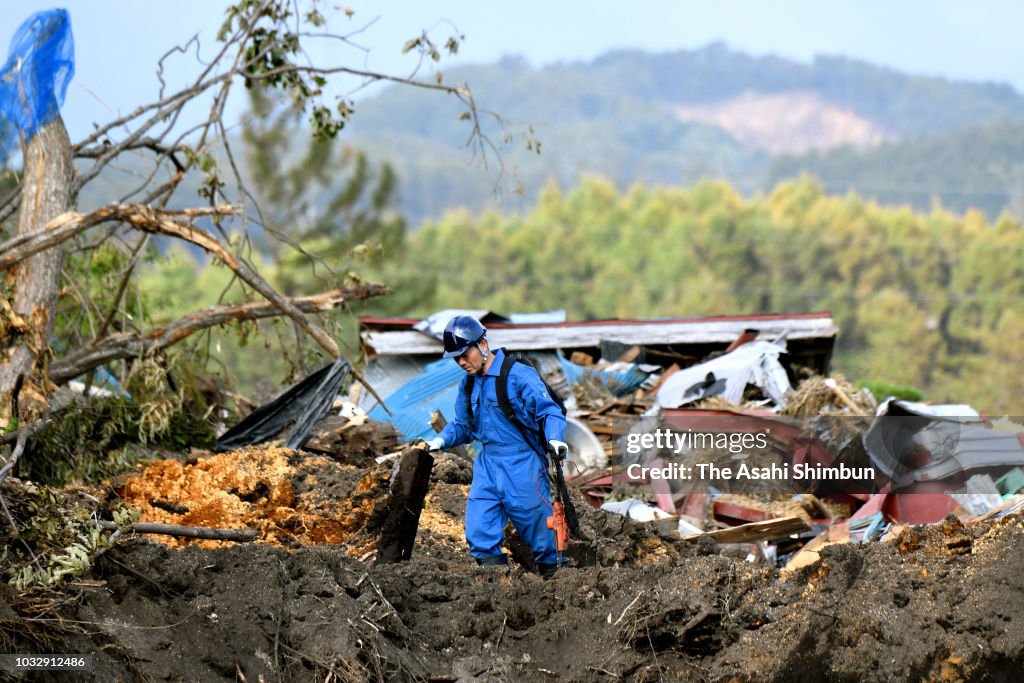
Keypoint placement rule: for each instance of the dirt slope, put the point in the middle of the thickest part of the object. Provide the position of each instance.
(938, 603)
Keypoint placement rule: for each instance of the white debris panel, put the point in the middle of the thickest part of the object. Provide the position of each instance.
(727, 376)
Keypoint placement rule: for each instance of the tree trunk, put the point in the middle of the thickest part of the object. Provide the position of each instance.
(45, 194)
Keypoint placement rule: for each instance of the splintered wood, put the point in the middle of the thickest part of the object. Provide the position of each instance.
(402, 515)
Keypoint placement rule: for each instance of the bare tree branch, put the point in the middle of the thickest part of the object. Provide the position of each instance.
(127, 345)
(71, 223)
(121, 286)
(150, 220)
(239, 535)
(260, 43)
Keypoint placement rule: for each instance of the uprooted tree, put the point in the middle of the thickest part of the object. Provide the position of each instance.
(260, 46)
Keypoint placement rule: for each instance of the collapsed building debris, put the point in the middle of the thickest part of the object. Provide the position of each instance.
(714, 580)
(740, 377)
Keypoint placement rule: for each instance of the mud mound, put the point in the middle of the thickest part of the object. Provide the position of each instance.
(306, 603)
(297, 499)
(355, 441)
(611, 540)
(291, 498)
(938, 603)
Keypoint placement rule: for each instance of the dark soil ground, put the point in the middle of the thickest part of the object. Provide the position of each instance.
(940, 602)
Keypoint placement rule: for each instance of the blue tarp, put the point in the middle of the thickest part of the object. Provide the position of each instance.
(437, 387)
(413, 404)
(40, 64)
(619, 383)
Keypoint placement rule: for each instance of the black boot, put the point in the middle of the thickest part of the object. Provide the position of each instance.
(493, 560)
(547, 571)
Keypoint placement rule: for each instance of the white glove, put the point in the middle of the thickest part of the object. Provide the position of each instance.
(435, 444)
(560, 449)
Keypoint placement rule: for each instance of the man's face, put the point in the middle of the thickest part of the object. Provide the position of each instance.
(472, 361)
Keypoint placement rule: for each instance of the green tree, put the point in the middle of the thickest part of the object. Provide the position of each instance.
(920, 299)
(325, 200)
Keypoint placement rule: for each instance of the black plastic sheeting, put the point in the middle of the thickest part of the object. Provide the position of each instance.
(302, 404)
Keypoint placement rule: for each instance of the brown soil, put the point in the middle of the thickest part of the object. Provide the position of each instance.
(291, 498)
(306, 602)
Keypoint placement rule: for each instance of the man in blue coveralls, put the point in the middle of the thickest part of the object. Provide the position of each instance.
(509, 475)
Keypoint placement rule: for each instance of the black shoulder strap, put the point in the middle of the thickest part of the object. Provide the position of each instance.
(470, 381)
(501, 388)
(530, 436)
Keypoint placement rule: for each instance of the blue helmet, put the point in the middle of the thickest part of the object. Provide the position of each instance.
(460, 333)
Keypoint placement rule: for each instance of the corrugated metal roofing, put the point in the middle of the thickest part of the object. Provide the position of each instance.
(547, 362)
(388, 374)
(371, 321)
(649, 332)
(539, 318)
(412, 405)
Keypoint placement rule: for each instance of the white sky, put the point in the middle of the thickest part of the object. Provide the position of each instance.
(118, 42)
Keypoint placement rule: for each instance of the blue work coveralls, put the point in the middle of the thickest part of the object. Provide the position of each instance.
(509, 478)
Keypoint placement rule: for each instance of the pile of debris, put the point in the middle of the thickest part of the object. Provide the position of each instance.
(744, 379)
(358, 569)
(925, 462)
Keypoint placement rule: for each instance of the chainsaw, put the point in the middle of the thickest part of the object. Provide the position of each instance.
(563, 520)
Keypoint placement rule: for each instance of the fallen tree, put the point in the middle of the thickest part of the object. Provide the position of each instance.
(261, 47)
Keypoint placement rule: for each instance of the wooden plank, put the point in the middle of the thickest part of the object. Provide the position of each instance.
(630, 355)
(1006, 504)
(581, 358)
(741, 512)
(327, 434)
(585, 479)
(757, 531)
(607, 406)
(614, 430)
(402, 516)
(809, 554)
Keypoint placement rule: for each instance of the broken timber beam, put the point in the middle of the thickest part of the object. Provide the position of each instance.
(756, 531)
(208, 533)
(402, 515)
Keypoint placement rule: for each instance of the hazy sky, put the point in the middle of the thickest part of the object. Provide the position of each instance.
(118, 42)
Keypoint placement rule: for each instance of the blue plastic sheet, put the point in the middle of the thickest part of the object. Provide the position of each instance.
(34, 79)
(619, 383)
(413, 404)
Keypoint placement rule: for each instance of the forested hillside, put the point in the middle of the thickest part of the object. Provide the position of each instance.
(981, 167)
(683, 116)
